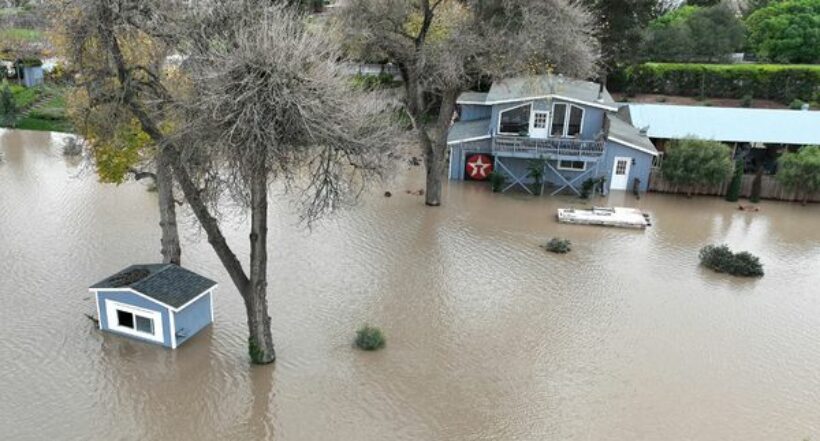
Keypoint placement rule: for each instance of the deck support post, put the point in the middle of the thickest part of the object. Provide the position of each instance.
(568, 183)
(516, 179)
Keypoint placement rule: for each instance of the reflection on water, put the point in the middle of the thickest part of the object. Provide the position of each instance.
(489, 337)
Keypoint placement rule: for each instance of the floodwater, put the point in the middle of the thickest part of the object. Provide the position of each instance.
(489, 337)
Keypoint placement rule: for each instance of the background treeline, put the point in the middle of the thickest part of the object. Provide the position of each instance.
(784, 83)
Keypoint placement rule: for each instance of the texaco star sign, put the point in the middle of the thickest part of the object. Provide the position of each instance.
(479, 167)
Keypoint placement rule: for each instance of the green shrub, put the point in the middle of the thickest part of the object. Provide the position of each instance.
(796, 104)
(369, 338)
(733, 195)
(776, 82)
(746, 101)
(696, 162)
(558, 246)
(497, 181)
(721, 259)
(373, 82)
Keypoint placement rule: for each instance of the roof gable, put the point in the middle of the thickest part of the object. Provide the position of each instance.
(168, 284)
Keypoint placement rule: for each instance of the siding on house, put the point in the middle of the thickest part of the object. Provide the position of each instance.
(593, 122)
(472, 112)
(640, 169)
(193, 318)
(129, 298)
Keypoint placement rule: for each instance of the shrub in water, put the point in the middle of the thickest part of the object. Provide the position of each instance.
(796, 104)
(369, 338)
(497, 181)
(721, 259)
(560, 246)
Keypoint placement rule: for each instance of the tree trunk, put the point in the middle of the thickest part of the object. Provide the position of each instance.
(260, 340)
(435, 149)
(170, 247)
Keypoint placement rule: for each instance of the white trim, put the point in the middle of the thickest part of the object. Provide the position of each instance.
(500, 112)
(571, 168)
(629, 144)
(472, 103)
(132, 290)
(542, 97)
(212, 305)
(111, 308)
(469, 139)
(99, 317)
(173, 325)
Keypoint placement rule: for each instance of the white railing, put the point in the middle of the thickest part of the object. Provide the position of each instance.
(550, 146)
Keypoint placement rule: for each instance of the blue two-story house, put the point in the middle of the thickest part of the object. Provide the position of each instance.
(569, 128)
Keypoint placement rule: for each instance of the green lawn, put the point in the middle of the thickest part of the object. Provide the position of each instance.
(25, 34)
(49, 116)
(24, 96)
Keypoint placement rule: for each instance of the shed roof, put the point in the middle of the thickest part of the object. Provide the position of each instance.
(469, 130)
(472, 98)
(728, 124)
(520, 88)
(624, 133)
(166, 283)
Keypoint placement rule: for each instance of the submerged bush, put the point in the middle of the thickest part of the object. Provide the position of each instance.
(497, 181)
(721, 259)
(557, 245)
(369, 338)
(71, 147)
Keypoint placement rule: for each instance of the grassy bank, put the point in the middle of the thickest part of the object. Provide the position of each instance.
(49, 115)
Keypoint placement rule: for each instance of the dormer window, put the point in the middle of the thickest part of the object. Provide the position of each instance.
(514, 121)
(567, 120)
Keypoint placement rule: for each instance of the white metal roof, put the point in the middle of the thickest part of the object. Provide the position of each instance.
(728, 124)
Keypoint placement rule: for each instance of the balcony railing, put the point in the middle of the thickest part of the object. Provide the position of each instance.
(545, 147)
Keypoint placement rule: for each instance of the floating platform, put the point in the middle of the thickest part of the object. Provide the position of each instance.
(622, 217)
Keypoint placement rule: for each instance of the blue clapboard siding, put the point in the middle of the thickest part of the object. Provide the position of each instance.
(640, 169)
(130, 298)
(472, 112)
(193, 318)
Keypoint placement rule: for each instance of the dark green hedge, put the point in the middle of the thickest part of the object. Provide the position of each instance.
(782, 83)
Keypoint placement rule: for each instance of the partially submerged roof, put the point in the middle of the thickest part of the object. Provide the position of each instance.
(541, 86)
(773, 126)
(166, 283)
(462, 131)
(624, 133)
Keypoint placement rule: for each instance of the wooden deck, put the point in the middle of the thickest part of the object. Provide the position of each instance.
(605, 216)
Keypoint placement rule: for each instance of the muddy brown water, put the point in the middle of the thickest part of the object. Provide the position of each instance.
(489, 337)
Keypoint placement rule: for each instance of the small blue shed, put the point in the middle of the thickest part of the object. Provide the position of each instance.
(157, 303)
(33, 76)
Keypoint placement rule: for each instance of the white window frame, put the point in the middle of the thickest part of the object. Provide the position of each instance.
(567, 113)
(501, 112)
(546, 115)
(111, 308)
(561, 167)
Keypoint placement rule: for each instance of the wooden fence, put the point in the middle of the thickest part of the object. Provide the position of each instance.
(769, 188)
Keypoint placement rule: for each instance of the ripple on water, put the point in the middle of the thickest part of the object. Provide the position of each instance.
(488, 336)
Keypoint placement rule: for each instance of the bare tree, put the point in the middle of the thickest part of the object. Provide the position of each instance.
(443, 47)
(260, 97)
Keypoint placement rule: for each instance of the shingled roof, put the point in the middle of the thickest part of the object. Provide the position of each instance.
(166, 283)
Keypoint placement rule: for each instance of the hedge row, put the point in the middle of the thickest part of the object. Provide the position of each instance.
(783, 83)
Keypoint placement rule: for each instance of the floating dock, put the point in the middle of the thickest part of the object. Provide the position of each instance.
(606, 216)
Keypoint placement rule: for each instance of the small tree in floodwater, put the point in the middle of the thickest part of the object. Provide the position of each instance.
(695, 162)
(260, 96)
(800, 171)
(733, 194)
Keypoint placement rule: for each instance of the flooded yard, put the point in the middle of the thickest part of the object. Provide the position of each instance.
(488, 336)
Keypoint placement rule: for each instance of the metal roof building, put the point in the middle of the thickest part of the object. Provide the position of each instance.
(726, 124)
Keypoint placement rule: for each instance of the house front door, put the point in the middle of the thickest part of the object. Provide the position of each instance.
(538, 124)
(620, 173)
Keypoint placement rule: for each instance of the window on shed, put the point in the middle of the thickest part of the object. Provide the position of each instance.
(559, 112)
(125, 319)
(144, 324)
(576, 115)
(515, 121)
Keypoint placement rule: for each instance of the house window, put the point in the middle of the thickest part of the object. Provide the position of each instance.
(567, 120)
(540, 120)
(134, 321)
(620, 168)
(572, 165)
(559, 113)
(515, 121)
(576, 115)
